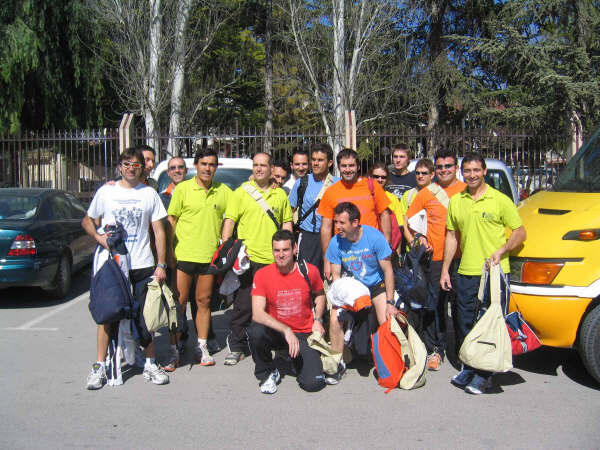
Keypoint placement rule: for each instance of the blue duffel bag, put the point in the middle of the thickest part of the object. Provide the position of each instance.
(110, 294)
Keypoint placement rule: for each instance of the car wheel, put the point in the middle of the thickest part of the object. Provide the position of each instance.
(62, 281)
(589, 343)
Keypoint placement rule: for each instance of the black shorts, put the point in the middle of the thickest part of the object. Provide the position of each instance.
(377, 289)
(193, 268)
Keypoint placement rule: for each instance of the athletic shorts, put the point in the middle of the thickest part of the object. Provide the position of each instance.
(377, 289)
(193, 268)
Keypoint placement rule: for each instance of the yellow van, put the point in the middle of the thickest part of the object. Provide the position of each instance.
(555, 274)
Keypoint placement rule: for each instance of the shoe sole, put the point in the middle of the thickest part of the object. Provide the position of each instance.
(208, 364)
(149, 379)
(169, 369)
(94, 388)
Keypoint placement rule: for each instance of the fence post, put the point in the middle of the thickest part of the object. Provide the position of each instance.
(125, 132)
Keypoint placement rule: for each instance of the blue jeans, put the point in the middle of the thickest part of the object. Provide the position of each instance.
(468, 309)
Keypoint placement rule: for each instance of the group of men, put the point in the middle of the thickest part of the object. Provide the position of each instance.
(325, 229)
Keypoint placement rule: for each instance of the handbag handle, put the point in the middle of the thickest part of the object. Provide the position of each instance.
(491, 275)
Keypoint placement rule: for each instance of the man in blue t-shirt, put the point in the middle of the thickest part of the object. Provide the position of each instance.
(363, 252)
(305, 204)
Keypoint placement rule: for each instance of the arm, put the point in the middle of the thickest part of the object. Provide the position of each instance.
(90, 225)
(161, 250)
(227, 230)
(319, 311)
(170, 238)
(260, 315)
(516, 238)
(408, 234)
(326, 224)
(450, 246)
(336, 271)
(388, 276)
(386, 225)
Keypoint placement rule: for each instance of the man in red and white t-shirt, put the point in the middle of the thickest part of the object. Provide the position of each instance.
(282, 317)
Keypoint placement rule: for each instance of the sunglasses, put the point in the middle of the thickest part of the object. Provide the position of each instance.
(423, 173)
(444, 166)
(180, 167)
(131, 165)
(380, 177)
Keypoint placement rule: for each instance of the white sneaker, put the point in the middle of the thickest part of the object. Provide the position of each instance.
(156, 374)
(203, 356)
(269, 386)
(97, 377)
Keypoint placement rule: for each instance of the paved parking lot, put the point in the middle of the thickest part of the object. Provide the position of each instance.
(547, 401)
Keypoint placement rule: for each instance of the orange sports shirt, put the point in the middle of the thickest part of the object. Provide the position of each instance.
(436, 216)
(359, 194)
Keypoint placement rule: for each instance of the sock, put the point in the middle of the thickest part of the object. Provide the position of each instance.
(201, 342)
(150, 361)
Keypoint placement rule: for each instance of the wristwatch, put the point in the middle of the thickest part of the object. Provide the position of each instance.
(391, 302)
(161, 265)
(319, 319)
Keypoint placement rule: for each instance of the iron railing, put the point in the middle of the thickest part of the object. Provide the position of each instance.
(82, 160)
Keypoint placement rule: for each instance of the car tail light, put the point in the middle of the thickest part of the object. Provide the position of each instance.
(23, 245)
(540, 272)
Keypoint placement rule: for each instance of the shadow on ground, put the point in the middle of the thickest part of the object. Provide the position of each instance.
(29, 297)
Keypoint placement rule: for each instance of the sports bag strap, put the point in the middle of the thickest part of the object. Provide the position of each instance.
(485, 274)
(166, 292)
(257, 196)
(303, 269)
(411, 195)
(439, 194)
(495, 284)
(301, 191)
(328, 182)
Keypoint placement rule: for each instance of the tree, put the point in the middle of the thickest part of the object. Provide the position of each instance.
(540, 63)
(342, 48)
(148, 49)
(48, 76)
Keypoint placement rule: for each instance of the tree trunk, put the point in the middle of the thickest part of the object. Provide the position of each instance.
(153, 76)
(338, 75)
(269, 107)
(183, 12)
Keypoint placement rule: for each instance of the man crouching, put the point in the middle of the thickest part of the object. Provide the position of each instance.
(282, 317)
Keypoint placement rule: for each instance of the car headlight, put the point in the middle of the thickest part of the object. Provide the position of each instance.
(540, 272)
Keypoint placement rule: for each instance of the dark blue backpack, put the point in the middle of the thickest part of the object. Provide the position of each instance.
(110, 295)
(410, 281)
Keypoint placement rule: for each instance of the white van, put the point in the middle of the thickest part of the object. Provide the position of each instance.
(499, 176)
(231, 171)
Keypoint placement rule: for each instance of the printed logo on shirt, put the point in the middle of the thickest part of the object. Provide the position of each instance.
(131, 219)
(289, 303)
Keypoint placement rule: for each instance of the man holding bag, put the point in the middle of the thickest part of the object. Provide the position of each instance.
(480, 215)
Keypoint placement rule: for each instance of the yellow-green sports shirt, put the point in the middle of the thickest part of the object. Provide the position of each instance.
(482, 226)
(199, 216)
(255, 228)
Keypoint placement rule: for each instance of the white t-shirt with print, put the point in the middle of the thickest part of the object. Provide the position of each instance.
(135, 209)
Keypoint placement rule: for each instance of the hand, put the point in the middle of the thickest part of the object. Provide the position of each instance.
(423, 241)
(160, 274)
(292, 341)
(495, 258)
(102, 239)
(327, 270)
(318, 328)
(445, 282)
(390, 311)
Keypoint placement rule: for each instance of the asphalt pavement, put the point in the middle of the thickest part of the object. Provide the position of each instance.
(547, 401)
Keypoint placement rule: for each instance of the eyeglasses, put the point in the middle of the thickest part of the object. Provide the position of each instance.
(423, 173)
(444, 166)
(180, 167)
(380, 177)
(131, 165)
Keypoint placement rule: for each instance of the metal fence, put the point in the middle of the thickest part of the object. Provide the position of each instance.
(82, 160)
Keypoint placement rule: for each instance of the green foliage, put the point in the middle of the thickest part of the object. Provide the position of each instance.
(47, 75)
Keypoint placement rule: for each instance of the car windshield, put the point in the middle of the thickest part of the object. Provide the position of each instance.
(497, 179)
(230, 176)
(582, 173)
(15, 206)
